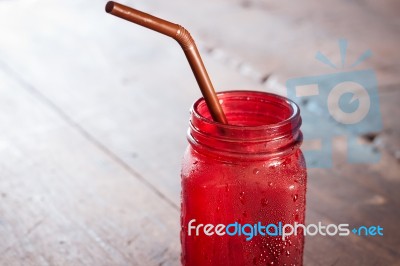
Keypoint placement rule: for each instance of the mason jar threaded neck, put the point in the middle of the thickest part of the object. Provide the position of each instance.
(261, 125)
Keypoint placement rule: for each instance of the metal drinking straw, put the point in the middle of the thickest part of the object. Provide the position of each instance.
(183, 37)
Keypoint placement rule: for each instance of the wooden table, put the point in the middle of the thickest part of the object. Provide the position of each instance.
(94, 111)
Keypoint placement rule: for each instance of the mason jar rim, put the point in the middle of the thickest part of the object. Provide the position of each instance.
(294, 114)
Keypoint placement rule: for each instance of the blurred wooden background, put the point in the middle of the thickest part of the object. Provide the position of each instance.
(94, 111)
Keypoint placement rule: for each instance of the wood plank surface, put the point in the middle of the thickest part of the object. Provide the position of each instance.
(94, 112)
(64, 201)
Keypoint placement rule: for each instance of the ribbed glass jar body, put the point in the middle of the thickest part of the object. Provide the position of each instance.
(245, 174)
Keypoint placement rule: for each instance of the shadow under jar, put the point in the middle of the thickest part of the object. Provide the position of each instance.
(239, 178)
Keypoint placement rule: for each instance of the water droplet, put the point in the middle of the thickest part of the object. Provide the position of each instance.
(218, 208)
(241, 197)
(264, 202)
(270, 184)
(291, 187)
(287, 253)
(256, 171)
(195, 162)
(274, 164)
(226, 187)
(295, 197)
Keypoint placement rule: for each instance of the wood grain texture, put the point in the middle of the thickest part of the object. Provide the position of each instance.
(94, 111)
(66, 202)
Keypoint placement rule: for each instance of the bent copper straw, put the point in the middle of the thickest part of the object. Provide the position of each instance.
(182, 36)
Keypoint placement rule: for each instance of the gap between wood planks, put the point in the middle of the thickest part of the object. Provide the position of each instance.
(100, 146)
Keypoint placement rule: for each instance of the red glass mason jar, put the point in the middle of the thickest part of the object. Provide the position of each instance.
(248, 174)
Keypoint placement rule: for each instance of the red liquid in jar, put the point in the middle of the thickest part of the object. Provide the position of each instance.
(251, 172)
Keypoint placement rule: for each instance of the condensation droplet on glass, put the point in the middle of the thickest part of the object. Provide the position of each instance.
(264, 202)
(226, 187)
(256, 171)
(295, 197)
(270, 184)
(291, 187)
(287, 253)
(241, 197)
(275, 164)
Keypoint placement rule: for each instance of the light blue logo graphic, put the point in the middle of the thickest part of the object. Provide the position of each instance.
(340, 104)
